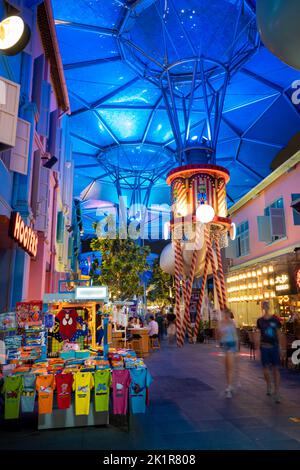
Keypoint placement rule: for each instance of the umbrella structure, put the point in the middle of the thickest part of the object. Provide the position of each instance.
(155, 84)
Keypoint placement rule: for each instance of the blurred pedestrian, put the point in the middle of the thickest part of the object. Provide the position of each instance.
(227, 336)
(268, 338)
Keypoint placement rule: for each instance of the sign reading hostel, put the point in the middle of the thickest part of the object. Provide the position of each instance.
(24, 235)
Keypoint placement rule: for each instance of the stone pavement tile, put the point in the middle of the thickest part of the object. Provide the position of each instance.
(212, 440)
(198, 413)
(288, 444)
(266, 433)
(249, 422)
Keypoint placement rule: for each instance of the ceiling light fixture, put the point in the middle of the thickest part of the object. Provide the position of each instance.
(14, 35)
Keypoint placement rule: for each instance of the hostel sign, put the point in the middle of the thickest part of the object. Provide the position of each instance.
(24, 235)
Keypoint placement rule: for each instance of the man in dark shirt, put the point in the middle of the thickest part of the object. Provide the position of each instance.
(268, 327)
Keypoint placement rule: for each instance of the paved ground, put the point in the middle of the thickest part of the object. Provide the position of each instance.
(189, 411)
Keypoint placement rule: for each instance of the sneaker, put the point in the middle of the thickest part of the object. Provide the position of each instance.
(228, 392)
(269, 391)
(277, 398)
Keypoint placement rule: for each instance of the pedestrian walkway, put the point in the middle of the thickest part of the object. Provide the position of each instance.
(189, 410)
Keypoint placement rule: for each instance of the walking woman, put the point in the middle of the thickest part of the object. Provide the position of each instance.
(228, 338)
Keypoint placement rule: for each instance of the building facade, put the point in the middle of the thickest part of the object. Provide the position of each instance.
(264, 259)
(35, 161)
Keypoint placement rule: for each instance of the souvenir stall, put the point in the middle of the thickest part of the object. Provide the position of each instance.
(82, 383)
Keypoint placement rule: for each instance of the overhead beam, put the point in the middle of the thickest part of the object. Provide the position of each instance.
(91, 63)
(86, 27)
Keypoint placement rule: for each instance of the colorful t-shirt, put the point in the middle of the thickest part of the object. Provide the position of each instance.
(102, 380)
(13, 386)
(45, 385)
(140, 381)
(83, 383)
(120, 381)
(28, 393)
(64, 384)
(67, 323)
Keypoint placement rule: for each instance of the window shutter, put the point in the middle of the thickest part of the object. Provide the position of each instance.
(264, 228)
(44, 120)
(9, 113)
(35, 181)
(59, 154)
(230, 250)
(68, 185)
(277, 222)
(60, 227)
(41, 222)
(54, 124)
(19, 154)
(40, 193)
(70, 247)
(296, 208)
(38, 75)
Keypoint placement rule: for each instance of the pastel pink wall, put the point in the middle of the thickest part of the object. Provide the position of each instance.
(283, 187)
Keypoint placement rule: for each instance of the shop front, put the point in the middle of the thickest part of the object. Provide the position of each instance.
(277, 281)
(60, 364)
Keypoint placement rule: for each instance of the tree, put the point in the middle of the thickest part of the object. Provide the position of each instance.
(123, 264)
(161, 290)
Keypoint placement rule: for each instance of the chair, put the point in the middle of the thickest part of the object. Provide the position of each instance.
(137, 347)
(154, 342)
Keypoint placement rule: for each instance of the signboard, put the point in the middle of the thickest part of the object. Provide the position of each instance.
(24, 235)
(58, 297)
(91, 293)
(282, 283)
(297, 279)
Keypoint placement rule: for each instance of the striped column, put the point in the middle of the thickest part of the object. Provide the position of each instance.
(221, 272)
(221, 196)
(181, 200)
(177, 247)
(201, 295)
(214, 269)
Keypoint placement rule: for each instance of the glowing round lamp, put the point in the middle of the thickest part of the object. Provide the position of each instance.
(232, 232)
(14, 35)
(205, 213)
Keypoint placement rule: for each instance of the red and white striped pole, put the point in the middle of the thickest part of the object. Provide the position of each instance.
(214, 269)
(177, 249)
(201, 295)
(221, 273)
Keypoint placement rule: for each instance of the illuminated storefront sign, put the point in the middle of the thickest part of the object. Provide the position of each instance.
(298, 279)
(282, 283)
(91, 293)
(24, 235)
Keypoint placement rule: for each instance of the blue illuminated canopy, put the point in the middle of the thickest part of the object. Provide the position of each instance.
(125, 131)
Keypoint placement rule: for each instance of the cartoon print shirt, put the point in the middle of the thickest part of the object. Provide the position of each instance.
(102, 380)
(120, 381)
(13, 386)
(83, 383)
(140, 381)
(28, 393)
(64, 384)
(45, 385)
(67, 323)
